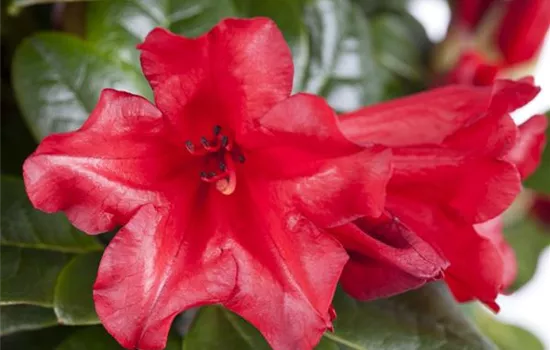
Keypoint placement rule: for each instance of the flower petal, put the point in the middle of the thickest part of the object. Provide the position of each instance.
(528, 149)
(474, 189)
(476, 266)
(493, 230)
(432, 116)
(100, 174)
(386, 258)
(274, 269)
(344, 188)
(295, 137)
(237, 71)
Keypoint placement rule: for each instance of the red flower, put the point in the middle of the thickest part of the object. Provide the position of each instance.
(526, 155)
(473, 69)
(541, 210)
(222, 187)
(449, 173)
(523, 28)
(468, 13)
(528, 149)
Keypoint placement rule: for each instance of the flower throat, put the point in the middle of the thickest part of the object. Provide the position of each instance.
(220, 155)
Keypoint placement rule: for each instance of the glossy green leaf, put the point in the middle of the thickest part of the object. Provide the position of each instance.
(40, 339)
(24, 226)
(528, 238)
(217, 328)
(89, 338)
(428, 318)
(16, 5)
(32, 279)
(73, 302)
(97, 338)
(16, 141)
(58, 78)
(357, 60)
(505, 336)
(16, 318)
(540, 179)
(116, 27)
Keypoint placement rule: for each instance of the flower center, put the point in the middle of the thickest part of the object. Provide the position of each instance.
(220, 155)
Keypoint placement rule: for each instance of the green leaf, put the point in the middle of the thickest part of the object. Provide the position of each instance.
(16, 141)
(540, 180)
(217, 328)
(58, 78)
(89, 338)
(357, 60)
(116, 27)
(24, 226)
(97, 338)
(505, 336)
(15, 318)
(32, 278)
(528, 238)
(428, 318)
(16, 5)
(41, 339)
(73, 301)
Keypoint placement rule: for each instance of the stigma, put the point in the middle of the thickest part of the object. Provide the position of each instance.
(221, 156)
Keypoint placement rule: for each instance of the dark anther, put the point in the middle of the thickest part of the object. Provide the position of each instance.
(205, 142)
(241, 158)
(225, 140)
(189, 145)
(203, 174)
(211, 174)
(223, 166)
(217, 130)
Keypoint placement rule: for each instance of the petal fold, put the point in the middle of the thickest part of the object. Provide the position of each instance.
(100, 174)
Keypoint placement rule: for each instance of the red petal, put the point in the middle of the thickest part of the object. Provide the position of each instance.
(475, 189)
(432, 116)
(386, 258)
(235, 72)
(523, 29)
(295, 132)
(476, 266)
(96, 175)
(274, 269)
(492, 230)
(472, 68)
(345, 188)
(528, 149)
(337, 180)
(470, 12)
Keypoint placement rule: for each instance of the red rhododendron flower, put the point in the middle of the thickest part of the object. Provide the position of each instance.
(523, 28)
(468, 13)
(449, 173)
(541, 210)
(526, 155)
(222, 187)
(473, 69)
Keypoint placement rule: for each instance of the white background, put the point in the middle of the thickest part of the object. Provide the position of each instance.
(530, 306)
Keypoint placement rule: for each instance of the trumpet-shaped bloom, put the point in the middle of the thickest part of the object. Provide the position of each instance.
(450, 172)
(223, 188)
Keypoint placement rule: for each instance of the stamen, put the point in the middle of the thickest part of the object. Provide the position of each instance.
(223, 167)
(224, 141)
(241, 158)
(217, 130)
(204, 142)
(189, 145)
